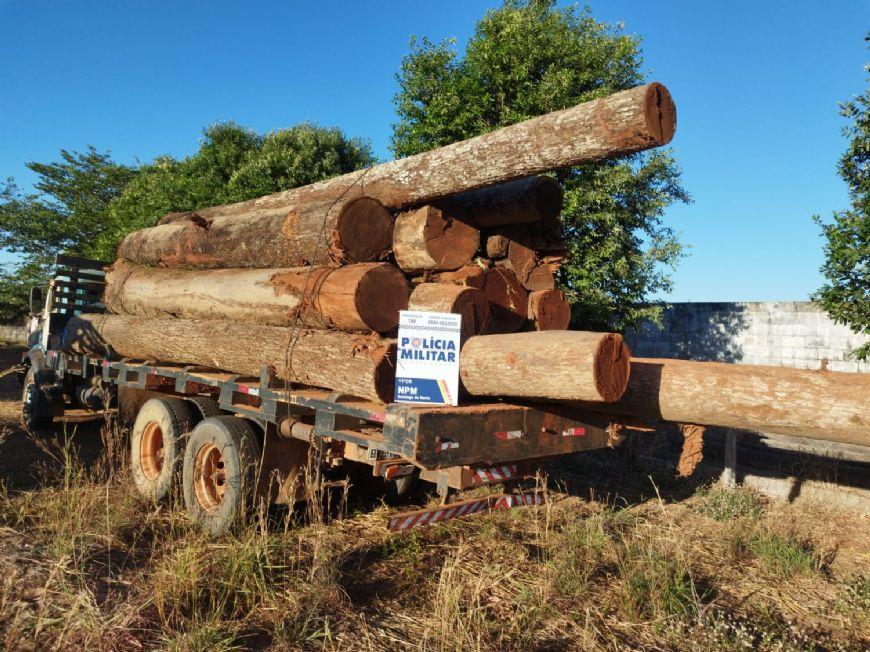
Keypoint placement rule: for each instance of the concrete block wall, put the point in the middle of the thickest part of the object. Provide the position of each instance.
(780, 333)
(13, 334)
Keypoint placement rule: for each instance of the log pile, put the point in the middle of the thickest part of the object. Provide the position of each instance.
(310, 281)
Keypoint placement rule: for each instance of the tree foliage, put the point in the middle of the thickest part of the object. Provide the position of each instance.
(235, 164)
(528, 58)
(846, 294)
(67, 213)
(87, 203)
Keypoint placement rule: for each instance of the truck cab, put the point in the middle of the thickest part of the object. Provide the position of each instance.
(76, 287)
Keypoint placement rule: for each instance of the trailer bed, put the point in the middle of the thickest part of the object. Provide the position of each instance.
(429, 437)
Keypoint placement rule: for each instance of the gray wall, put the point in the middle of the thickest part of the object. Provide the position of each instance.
(13, 334)
(781, 333)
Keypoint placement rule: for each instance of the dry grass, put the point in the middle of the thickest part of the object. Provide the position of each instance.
(85, 564)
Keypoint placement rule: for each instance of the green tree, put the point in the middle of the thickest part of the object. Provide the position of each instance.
(235, 164)
(846, 294)
(529, 58)
(67, 213)
(85, 203)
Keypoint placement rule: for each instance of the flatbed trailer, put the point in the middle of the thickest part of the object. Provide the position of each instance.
(456, 448)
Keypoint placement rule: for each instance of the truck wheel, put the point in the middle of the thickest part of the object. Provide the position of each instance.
(220, 471)
(204, 406)
(157, 445)
(37, 410)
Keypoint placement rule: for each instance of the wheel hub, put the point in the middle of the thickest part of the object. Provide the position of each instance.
(210, 478)
(152, 451)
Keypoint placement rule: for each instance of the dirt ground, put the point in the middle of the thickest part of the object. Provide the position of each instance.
(621, 557)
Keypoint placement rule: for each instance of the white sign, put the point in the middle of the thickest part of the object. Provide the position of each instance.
(427, 368)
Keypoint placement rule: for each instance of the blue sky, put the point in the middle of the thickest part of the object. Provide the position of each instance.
(756, 86)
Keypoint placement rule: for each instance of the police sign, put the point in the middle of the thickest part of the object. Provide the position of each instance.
(427, 369)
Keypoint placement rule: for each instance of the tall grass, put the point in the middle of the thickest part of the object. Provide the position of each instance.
(90, 565)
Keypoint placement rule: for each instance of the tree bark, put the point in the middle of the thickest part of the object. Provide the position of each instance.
(523, 201)
(365, 296)
(299, 233)
(466, 301)
(358, 365)
(430, 238)
(623, 123)
(553, 365)
(819, 404)
(549, 310)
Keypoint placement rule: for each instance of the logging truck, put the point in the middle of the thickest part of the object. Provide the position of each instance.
(225, 441)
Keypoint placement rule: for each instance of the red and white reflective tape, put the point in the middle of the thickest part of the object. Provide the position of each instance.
(253, 391)
(407, 521)
(519, 500)
(574, 432)
(494, 474)
(505, 435)
(380, 417)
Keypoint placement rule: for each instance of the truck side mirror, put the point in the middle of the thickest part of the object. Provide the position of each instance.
(36, 301)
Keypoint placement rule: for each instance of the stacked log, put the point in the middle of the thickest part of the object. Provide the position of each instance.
(355, 364)
(623, 123)
(365, 296)
(823, 405)
(311, 281)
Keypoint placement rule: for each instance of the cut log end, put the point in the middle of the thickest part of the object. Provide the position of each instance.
(661, 113)
(508, 300)
(364, 231)
(385, 372)
(612, 367)
(383, 291)
(549, 310)
(548, 196)
(469, 302)
(433, 238)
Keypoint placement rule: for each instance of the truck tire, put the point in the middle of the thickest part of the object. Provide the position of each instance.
(37, 408)
(204, 406)
(220, 472)
(157, 445)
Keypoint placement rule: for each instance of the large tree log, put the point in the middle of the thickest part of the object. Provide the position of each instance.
(549, 310)
(469, 302)
(546, 365)
(303, 233)
(358, 365)
(366, 296)
(430, 238)
(523, 201)
(818, 404)
(623, 123)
